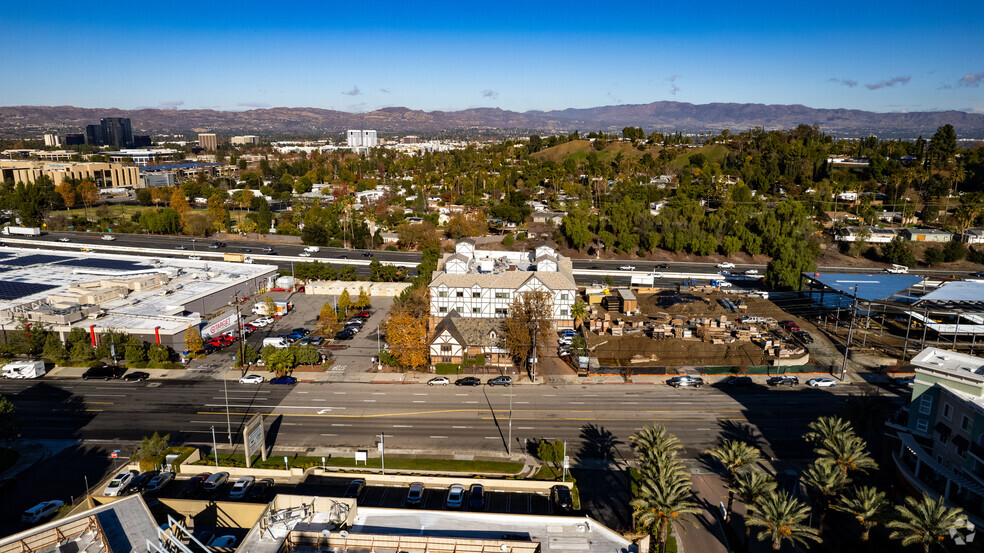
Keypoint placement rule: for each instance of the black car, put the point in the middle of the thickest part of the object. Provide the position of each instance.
(217, 245)
(467, 381)
(283, 380)
(141, 480)
(367, 254)
(262, 489)
(686, 381)
(783, 380)
(355, 488)
(500, 381)
(344, 334)
(804, 336)
(136, 376)
(561, 497)
(476, 497)
(737, 381)
(662, 266)
(194, 485)
(106, 372)
(312, 341)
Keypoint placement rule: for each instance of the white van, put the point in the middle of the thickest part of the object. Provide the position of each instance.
(41, 511)
(279, 343)
(897, 270)
(312, 249)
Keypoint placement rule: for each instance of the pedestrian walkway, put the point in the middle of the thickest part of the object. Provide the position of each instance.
(33, 452)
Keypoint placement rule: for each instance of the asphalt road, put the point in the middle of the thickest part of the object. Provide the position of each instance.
(595, 420)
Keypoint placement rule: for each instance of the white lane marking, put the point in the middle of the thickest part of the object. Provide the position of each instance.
(369, 401)
(329, 434)
(235, 405)
(492, 438)
(339, 393)
(420, 401)
(576, 402)
(471, 402)
(526, 402)
(549, 395)
(439, 437)
(379, 393)
(304, 407)
(303, 392)
(318, 399)
(419, 394)
(340, 424)
(630, 402)
(460, 427)
(402, 426)
(525, 427)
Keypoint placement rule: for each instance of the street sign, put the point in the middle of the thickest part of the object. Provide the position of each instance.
(114, 455)
(567, 462)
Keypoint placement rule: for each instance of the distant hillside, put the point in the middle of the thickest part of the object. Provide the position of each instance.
(28, 121)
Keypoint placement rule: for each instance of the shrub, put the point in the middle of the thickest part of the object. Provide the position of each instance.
(954, 251)
(934, 256)
(448, 368)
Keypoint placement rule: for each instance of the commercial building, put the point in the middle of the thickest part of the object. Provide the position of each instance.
(153, 299)
(940, 434)
(111, 131)
(208, 141)
(361, 139)
(52, 140)
(105, 175)
(245, 140)
(482, 284)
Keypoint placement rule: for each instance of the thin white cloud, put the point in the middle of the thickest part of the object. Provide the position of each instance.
(901, 79)
(354, 92)
(849, 83)
(970, 80)
(170, 105)
(673, 86)
(255, 105)
(489, 93)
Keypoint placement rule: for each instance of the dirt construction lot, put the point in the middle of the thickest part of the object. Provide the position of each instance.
(636, 348)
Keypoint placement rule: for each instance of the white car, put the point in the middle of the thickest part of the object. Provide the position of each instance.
(109, 237)
(263, 321)
(304, 254)
(439, 381)
(821, 382)
(724, 284)
(251, 379)
(41, 511)
(626, 268)
(195, 258)
(158, 482)
(64, 239)
(118, 485)
(726, 265)
(751, 272)
(897, 270)
(241, 487)
(456, 496)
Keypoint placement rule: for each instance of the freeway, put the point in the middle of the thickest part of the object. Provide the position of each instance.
(419, 417)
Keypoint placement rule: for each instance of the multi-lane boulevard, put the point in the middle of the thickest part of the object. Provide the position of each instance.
(420, 417)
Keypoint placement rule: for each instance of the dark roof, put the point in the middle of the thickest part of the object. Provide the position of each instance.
(178, 166)
(469, 331)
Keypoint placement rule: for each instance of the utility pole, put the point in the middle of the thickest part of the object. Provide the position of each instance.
(509, 442)
(215, 448)
(225, 386)
(850, 332)
(239, 331)
(382, 451)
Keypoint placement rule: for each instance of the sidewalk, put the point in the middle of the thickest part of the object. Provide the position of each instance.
(33, 452)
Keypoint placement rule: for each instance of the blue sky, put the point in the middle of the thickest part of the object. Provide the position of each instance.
(359, 56)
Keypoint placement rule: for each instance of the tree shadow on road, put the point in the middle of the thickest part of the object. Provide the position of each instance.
(598, 444)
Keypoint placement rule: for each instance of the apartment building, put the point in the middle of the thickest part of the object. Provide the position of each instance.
(208, 141)
(361, 139)
(482, 284)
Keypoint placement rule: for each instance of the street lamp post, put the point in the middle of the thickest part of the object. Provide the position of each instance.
(225, 386)
(850, 332)
(382, 451)
(215, 448)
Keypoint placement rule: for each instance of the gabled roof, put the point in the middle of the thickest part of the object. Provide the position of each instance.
(470, 331)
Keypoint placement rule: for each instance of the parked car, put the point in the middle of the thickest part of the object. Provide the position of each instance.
(41, 511)
(415, 494)
(283, 380)
(561, 497)
(467, 381)
(823, 382)
(456, 496)
(363, 314)
(344, 334)
(106, 372)
(261, 490)
(790, 326)
(251, 379)
(141, 480)
(241, 487)
(313, 341)
(119, 484)
(804, 336)
(737, 381)
(136, 376)
(194, 484)
(500, 381)
(263, 321)
(570, 333)
(726, 265)
(159, 482)
(476, 497)
(224, 542)
(439, 381)
(355, 488)
(686, 381)
(205, 536)
(214, 481)
(783, 380)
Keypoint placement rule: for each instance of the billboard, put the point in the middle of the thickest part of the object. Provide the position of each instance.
(255, 439)
(220, 324)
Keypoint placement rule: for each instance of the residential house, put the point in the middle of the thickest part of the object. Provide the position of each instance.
(871, 235)
(972, 236)
(457, 339)
(548, 217)
(929, 235)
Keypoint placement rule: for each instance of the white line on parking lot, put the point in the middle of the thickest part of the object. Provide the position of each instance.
(419, 394)
(526, 402)
(318, 399)
(379, 393)
(492, 437)
(471, 402)
(549, 395)
(339, 393)
(329, 434)
(630, 402)
(369, 401)
(576, 402)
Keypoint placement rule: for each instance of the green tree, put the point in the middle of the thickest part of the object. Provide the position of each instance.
(550, 452)
(934, 256)
(942, 147)
(578, 311)
(158, 353)
(135, 353)
(898, 252)
(750, 487)
(152, 446)
(926, 522)
(9, 422)
(827, 428)
(735, 456)
(848, 453)
(54, 349)
(954, 251)
(250, 355)
(827, 480)
(781, 518)
(866, 505)
(33, 200)
(363, 302)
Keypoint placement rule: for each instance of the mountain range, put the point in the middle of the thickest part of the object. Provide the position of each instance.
(30, 121)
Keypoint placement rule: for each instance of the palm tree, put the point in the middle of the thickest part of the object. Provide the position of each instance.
(866, 507)
(925, 521)
(848, 453)
(735, 456)
(781, 516)
(578, 311)
(750, 486)
(827, 479)
(661, 502)
(654, 442)
(826, 428)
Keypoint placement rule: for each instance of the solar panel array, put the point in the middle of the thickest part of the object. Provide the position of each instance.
(99, 263)
(29, 260)
(16, 290)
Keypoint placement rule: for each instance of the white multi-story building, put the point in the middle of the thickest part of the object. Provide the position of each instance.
(52, 140)
(245, 139)
(361, 139)
(482, 284)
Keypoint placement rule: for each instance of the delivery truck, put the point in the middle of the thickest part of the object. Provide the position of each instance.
(22, 231)
(282, 307)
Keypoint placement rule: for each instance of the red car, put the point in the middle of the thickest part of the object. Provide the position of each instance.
(228, 338)
(215, 342)
(363, 315)
(790, 326)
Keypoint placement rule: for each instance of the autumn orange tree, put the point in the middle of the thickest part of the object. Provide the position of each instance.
(67, 193)
(407, 339)
(88, 193)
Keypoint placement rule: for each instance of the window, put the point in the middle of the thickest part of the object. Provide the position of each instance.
(922, 425)
(476, 309)
(442, 294)
(461, 294)
(948, 411)
(563, 296)
(502, 295)
(476, 294)
(442, 309)
(563, 312)
(446, 348)
(926, 404)
(501, 311)
(445, 360)
(459, 309)
(965, 422)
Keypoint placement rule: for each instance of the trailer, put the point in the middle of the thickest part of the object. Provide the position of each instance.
(21, 231)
